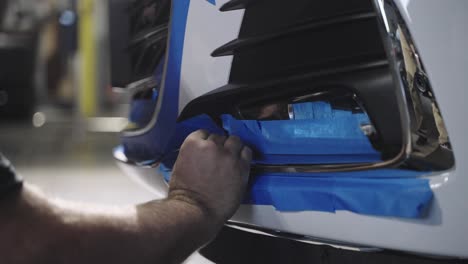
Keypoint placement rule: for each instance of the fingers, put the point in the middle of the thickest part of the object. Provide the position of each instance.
(234, 145)
(218, 139)
(246, 158)
(246, 154)
(199, 134)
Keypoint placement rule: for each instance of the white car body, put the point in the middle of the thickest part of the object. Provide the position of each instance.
(438, 29)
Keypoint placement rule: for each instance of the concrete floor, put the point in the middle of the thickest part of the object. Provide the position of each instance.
(72, 164)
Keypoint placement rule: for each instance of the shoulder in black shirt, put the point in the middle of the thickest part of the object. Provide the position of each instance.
(9, 180)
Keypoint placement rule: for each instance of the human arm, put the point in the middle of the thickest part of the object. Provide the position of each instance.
(206, 188)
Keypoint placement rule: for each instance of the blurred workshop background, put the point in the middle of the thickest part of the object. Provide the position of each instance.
(59, 115)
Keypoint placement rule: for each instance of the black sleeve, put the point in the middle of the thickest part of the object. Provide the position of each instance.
(9, 180)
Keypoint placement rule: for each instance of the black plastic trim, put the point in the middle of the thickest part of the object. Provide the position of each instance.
(241, 43)
(235, 5)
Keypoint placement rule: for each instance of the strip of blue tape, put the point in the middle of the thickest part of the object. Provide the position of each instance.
(141, 110)
(391, 197)
(318, 135)
(385, 192)
(165, 171)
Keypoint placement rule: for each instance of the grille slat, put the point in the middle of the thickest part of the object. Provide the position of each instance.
(235, 5)
(243, 43)
(292, 48)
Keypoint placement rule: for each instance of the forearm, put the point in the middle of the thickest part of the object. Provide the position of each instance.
(205, 190)
(57, 232)
(156, 232)
(176, 228)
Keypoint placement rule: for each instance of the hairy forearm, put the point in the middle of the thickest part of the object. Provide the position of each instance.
(35, 229)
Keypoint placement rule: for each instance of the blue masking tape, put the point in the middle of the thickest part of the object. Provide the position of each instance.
(299, 136)
(318, 134)
(184, 129)
(384, 192)
(333, 139)
(261, 158)
(165, 171)
(392, 197)
(141, 110)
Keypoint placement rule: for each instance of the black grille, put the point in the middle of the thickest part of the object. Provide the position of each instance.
(289, 48)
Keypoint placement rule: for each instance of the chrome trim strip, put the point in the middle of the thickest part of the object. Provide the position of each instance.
(154, 119)
(136, 86)
(401, 95)
(415, 91)
(119, 155)
(299, 238)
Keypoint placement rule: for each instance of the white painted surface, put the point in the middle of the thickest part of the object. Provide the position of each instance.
(439, 29)
(196, 258)
(207, 29)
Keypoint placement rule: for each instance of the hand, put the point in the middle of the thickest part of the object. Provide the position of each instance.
(211, 172)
